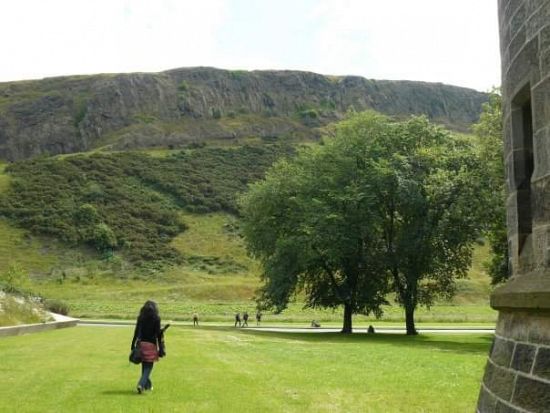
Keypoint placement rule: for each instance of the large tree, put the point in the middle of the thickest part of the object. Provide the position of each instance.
(425, 183)
(311, 224)
(379, 201)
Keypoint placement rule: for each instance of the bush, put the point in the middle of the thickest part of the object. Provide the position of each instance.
(57, 306)
(103, 238)
(307, 114)
(183, 86)
(14, 279)
(129, 202)
(216, 113)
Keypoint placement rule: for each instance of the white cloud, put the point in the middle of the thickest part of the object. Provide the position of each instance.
(56, 37)
(432, 40)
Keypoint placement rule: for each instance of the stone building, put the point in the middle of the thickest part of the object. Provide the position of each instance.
(517, 374)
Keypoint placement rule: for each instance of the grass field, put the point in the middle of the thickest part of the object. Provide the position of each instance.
(85, 369)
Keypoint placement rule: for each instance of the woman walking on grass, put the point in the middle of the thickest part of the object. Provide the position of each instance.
(148, 336)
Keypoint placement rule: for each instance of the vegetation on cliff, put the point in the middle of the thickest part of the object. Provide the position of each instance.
(172, 108)
(130, 201)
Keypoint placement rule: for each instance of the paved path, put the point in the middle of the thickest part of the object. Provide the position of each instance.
(385, 330)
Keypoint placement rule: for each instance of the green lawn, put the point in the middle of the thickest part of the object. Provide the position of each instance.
(85, 369)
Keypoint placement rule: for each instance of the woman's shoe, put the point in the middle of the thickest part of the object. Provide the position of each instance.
(139, 389)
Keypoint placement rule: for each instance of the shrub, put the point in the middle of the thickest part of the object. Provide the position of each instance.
(130, 201)
(144, 118)
(308, 114)
(57, 306)
(103, 238)
(216, 113)
(87, 214)
(14, 278)
(183, 86)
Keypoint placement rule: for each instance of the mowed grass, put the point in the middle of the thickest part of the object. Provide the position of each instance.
(85, 369)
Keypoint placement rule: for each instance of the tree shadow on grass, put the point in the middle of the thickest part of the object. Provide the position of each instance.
(457, 343)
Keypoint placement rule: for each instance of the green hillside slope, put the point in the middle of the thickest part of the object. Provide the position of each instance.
(177, 242)
(128, 202)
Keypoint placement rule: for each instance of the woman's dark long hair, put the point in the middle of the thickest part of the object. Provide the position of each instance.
(149, 312)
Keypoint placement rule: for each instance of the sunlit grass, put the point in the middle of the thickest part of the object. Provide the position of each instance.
(85, 369)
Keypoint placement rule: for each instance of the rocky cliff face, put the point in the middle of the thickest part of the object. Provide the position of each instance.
(72, 114)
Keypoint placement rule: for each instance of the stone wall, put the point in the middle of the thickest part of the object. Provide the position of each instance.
(38, 328)
(517, 375)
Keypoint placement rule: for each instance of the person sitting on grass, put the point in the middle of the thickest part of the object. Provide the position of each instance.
(245, 319)
(315, 324)
(149, 337)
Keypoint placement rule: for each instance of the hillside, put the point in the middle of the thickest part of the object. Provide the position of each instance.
(176, 107)
(129, 202)
(138, 200)
(201, 266)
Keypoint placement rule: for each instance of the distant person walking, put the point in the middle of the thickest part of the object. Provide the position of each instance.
(245, 319)
(148, 336)
(258, 318)
(195, 320)
(237, 319)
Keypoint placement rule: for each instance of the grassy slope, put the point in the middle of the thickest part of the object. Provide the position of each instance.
(92, 289)
(221, 283)
(212, 370)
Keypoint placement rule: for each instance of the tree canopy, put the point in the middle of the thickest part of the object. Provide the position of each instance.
(380, 205)
(310, 224)
(426, 194)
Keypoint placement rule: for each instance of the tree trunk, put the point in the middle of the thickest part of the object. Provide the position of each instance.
(347, 329)
(409, 320)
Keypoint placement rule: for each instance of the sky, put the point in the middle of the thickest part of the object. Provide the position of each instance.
(448, 41)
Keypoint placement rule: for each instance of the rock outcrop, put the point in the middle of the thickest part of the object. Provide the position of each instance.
(121, 111)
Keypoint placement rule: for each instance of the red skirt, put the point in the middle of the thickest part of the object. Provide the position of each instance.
(149, 352)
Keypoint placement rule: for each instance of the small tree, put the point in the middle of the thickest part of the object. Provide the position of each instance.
(103, 238)
(14, 278)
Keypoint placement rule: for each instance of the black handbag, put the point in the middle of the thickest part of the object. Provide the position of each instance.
(135, 354)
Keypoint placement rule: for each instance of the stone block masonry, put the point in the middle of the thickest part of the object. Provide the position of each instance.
(517, 374)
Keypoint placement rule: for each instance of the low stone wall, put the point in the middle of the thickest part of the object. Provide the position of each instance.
(517, 376)
(60, 322)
